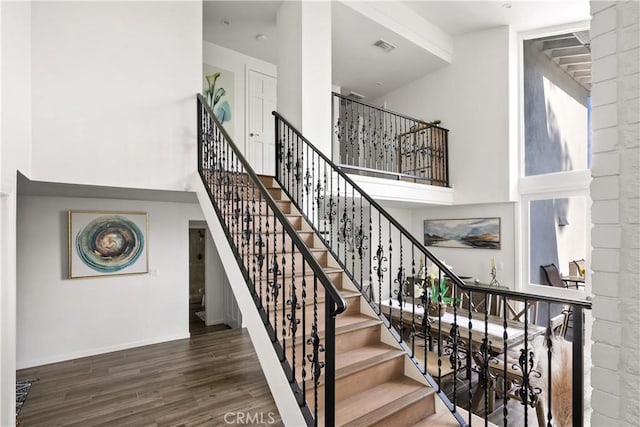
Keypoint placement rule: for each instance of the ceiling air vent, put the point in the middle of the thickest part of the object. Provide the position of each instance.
(385, 45)
(356, 95)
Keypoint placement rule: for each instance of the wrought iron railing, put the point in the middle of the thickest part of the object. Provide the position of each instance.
(471, 342)
(288, 285)
(373, 141)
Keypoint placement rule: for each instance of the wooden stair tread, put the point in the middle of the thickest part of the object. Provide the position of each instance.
(346, 323)
(432, 362)
(354, 360)
(375, 404)
(443, 418)
(278, 233)
(309, 299)
(309, 273)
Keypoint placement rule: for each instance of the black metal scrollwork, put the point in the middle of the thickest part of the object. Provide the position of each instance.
(291, 316)
(380, 259)
(330, 213)
(528, 394)
(274, 286)
(359, 239)
(344, 231)
(247, 231)
(314, 357)
(259, 243)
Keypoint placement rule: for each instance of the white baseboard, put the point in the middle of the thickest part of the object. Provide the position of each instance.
(95, 351)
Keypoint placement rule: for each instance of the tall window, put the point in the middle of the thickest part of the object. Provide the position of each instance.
(554, 183)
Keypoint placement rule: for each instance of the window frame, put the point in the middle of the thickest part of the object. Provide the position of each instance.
(556, 185)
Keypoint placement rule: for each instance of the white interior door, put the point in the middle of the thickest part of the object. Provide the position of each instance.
(261, 146)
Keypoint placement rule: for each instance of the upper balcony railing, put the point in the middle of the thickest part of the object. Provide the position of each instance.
(370, 140)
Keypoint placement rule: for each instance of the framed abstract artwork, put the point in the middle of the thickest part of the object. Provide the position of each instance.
(107, 243)
(481, 233)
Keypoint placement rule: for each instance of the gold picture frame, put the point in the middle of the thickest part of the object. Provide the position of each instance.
(107, 243)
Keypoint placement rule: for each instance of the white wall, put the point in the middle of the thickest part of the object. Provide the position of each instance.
(290, 62)
(15, 151)
(113, 89)
(215, 282)
(475, 262)
(304, 67)
(16, 89)
(471, 97)
(239, 64)
(60, 319)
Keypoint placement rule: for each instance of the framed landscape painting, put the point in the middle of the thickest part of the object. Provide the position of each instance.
(481, 233)
(107, 243)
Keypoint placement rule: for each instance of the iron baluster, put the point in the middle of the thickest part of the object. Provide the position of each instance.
(505, 337)
(316, 349)
(292, 315)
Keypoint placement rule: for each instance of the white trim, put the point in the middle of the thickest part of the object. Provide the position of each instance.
(528, 35)
(100, 350)
(404, 192)
(556, 29)
(545, 186)
(523, 264)
(555, 183)
(549, 291)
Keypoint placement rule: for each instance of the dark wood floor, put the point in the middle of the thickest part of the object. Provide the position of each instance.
(196, 325)
(191, 382)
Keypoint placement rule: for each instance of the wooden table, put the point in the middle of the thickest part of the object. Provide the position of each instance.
(578, 280)
(494, 326)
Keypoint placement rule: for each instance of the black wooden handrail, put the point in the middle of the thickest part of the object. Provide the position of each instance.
(340, 303)
(406, 234)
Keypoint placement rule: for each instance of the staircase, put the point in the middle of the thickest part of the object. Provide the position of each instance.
(353, 322)
(374, 385)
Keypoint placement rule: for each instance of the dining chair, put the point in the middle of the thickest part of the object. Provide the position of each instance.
(576, 267)
(476, 301)
(552, 276)
(516, 309)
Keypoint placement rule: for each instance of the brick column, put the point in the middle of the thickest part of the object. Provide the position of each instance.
(615, 191)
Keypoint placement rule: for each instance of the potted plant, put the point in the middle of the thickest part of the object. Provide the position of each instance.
(439, 288)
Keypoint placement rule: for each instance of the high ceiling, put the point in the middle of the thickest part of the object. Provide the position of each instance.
(357, 64)
(235, 25)
(459, 17)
